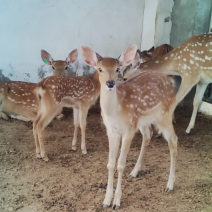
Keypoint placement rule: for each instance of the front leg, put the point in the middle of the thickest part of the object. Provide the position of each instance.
(37, 145)
(76, 127)
(126, 141)
(82, 117)
(114, 142)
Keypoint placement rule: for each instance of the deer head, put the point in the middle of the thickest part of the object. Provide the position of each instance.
(108, 68)
(59, 66)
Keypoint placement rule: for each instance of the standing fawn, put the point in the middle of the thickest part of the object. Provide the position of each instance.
(18, 100)
(192, 61)
(126, 107)
(54, 93)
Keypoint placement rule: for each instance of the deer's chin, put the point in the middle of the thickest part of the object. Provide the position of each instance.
(110, 89)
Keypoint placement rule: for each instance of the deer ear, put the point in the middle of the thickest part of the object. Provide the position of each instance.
(72, 57)
(128, 55)
(46, 57)
(151, 50)
(90, 57)
(137, 61)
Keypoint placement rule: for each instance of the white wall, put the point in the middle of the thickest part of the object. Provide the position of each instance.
(107, 26)
(28, 26)
(157, 23)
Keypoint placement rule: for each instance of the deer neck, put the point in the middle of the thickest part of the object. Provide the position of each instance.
(108, 101)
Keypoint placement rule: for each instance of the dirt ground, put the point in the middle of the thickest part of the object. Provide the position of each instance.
(71, 182)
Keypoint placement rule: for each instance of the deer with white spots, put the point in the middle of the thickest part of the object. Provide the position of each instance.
(146, 56)
(18, 100)
(192, 61)
(145, 99)
(54, 93)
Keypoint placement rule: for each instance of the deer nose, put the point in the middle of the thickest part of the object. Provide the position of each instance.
(110, 83)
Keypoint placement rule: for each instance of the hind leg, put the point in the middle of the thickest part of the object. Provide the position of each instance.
(37, 145)
(200, 90)
(40, 126)
(146, 131)
(171, 137)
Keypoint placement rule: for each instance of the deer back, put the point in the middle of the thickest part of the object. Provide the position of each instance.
(18, 97)
(190, 59)
(142, 94)
(69, 91)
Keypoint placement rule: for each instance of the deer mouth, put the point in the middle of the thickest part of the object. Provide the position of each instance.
(110, 85)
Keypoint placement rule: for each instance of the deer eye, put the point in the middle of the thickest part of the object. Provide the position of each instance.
(53, 67)
(66, 67)
(117, 70)
(100, 70)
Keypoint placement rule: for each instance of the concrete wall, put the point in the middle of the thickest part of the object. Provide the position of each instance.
(189, 17)
(28, 26)
(157, 23)
(163, 22)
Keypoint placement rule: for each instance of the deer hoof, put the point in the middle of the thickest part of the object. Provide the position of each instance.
(74, 148)
(158, 135)
(131, 177)
(59, 117)
(116, 207)
(84, 152)
(105, 206)
(188, 132)
(38, 155)
(46, 158)
(168, 189)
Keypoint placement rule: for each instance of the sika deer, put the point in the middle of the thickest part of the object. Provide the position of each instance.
(54, 93)
(192, 61)
(138, 103)
(18, 100)
(146, 56)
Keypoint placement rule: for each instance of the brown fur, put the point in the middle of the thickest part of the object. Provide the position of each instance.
(18, 98)
(192, 61)
(58, 92)
(151, 54)
(156, 53)
(21, 100)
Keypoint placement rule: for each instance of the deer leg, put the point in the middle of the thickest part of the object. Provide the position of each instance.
(36, 141)
(35, 133)
(146, 131)
(22, 118)
(60, 116)
(82, 116)
(200, 90)
(185, 87)
(114, 142)
(40, 127)
(210, 92)
(172, 139)
(76, 127)
(126, 141)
